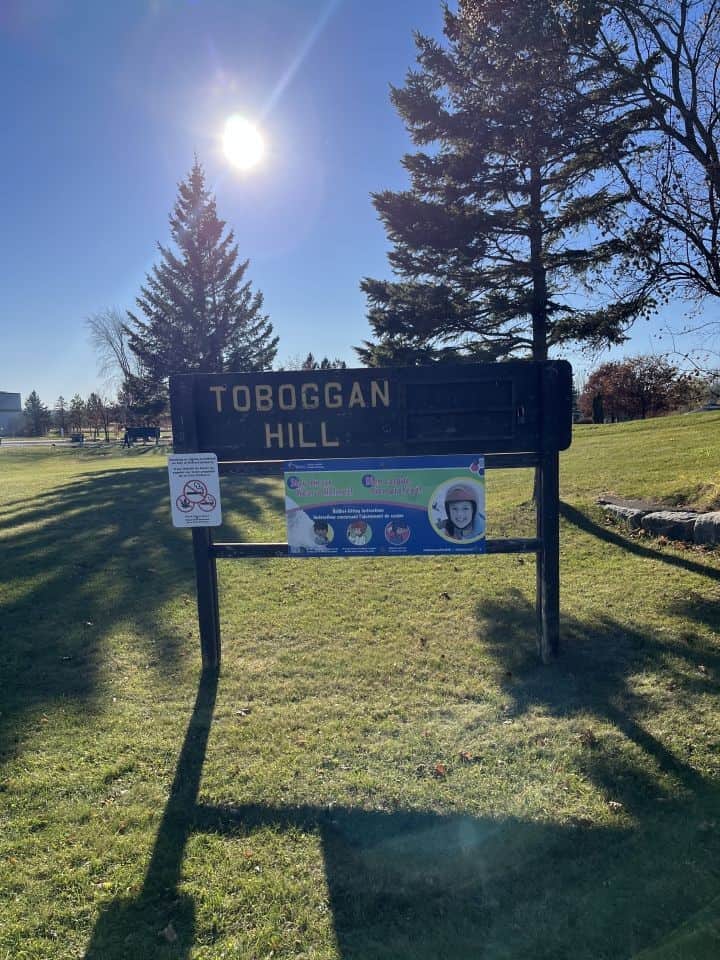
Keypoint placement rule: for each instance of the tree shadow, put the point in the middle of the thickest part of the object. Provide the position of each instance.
(585, 523)
(78, 562)
(129, 928)
(421, 885)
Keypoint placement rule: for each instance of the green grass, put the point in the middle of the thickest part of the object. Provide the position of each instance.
(383, 770)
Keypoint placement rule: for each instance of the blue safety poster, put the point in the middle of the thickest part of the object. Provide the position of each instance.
(385, 506)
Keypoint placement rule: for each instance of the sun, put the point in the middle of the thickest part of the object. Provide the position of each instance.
(243, 143)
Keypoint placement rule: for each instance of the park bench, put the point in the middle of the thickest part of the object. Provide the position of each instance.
(142, 433)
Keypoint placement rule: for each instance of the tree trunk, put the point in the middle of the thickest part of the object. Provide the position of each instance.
(539, 299)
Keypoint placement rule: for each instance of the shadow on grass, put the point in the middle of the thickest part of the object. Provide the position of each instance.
(80, 562)
(598, 678)
(592, 679)
(130, 928)
(588, 525)
(418, 885)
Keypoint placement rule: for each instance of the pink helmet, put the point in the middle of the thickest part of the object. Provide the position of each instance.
(461, 491)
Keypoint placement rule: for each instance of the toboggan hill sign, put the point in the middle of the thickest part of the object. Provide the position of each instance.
(516, 414)
(499, 408)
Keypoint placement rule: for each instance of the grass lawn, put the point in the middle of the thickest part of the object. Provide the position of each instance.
(383, 770)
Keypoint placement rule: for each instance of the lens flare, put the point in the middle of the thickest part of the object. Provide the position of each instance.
(243, 143)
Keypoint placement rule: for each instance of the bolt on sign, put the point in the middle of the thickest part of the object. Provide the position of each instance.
(513, 414)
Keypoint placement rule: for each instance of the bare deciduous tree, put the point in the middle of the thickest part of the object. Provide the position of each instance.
(673, 48)
(109, 339)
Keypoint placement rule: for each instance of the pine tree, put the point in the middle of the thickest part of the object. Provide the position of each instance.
(511, 226)
(60, 415)
(37, 416)
(77, 414)
(310, 363)
(196, 310)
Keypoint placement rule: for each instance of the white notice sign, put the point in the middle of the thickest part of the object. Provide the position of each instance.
(194, 490)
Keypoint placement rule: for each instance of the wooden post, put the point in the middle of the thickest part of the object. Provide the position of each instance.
(548, 557)
(185, 437)
(207, 598)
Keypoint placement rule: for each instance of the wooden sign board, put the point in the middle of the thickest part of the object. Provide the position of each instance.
(496, 408)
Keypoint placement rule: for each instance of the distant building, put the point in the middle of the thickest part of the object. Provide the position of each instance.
(10, 410)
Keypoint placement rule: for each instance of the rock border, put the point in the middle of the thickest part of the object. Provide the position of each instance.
(702, 529)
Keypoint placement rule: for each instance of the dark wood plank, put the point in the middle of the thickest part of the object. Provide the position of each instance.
(229, 551)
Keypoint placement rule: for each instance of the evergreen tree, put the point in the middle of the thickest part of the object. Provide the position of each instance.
(196, 310)
(140, 400)
(60, 415)
(77, 413)
(511, 226)
(310, 363)
(37, 416)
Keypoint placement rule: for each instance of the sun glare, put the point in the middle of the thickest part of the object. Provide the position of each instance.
(243, 143)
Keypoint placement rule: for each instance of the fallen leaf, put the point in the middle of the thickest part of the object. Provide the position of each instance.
(466, 757)
(440, 771)
(169, 933)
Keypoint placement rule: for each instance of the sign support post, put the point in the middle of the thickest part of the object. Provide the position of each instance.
(185, 436)
(207, 598)
(548, 557)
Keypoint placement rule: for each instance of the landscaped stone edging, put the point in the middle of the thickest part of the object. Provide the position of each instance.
(687, 525)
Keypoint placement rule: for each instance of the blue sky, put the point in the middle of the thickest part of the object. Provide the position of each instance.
(104, 105)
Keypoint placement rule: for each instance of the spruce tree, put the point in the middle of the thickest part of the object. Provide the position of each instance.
(37, 416)
(197, 312)
(77, 415)
(60, 414)
(510, 239)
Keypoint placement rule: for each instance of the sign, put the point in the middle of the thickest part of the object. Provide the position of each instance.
(336, 427)
(396, 506)
(507, 407)
(194, 490)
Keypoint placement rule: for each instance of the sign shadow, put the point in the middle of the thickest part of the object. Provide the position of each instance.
(422, 885)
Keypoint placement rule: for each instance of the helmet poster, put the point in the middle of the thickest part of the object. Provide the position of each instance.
(385, 506)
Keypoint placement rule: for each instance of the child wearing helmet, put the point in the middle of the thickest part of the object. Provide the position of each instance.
(321, 533)
(463, 522)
